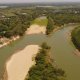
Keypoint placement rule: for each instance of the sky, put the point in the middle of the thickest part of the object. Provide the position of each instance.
(26, 1)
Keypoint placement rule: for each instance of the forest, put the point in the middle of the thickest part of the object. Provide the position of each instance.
(16, 21)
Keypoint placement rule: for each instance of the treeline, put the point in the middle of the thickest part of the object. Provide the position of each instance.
(76, 37)
(61, 19)
(50, 25)
(20, 21)
(44, 69)
(65, 16)
(58, 18)
(14, 25)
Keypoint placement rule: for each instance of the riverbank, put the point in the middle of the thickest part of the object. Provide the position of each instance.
(44, 67)
(75, 36)
(36, 29)
(6, 41)
(20, 63)
(59, 39)
(33, 29)
(69, 38)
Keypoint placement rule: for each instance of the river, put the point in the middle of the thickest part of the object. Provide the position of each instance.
(62, 51)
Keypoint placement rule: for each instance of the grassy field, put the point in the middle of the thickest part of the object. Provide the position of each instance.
(11, 11)
(42, 21)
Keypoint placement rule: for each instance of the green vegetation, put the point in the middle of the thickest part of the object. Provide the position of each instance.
(50, 25)
(42, 21)
(65, 18)
(76, 37)
(15, 21)
(44, 69)
(14, 25)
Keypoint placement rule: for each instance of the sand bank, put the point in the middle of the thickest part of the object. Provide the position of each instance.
(20, 63)
(35, 29)
(77, 52)
(6, 41)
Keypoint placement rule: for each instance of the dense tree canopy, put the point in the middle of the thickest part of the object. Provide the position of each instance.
(14, 25)
(76, 37)
(44, 68)
(15, 21)
(50, 25)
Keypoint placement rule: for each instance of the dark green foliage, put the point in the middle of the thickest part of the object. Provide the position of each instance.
(76, 37)
(64, 17)
(14, 25)
(50, 25)
(44, 46)
(44, 68)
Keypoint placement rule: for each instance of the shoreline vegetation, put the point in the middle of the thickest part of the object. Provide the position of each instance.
(18, 21)
(19, 63)
(76, 39)
(16, 24)
(44, 69)
(35, 28)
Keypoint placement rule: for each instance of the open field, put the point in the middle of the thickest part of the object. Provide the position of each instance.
(42, 21)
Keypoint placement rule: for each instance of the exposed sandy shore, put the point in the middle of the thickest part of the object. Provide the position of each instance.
(20, 63)
(77, 52)
(6, 41)
(35, 29)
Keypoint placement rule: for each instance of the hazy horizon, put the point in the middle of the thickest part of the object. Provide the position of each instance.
(34, 1)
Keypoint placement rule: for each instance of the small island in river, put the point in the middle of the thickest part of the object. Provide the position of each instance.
(40, 41)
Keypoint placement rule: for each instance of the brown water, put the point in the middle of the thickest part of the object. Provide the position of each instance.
(62, 51)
